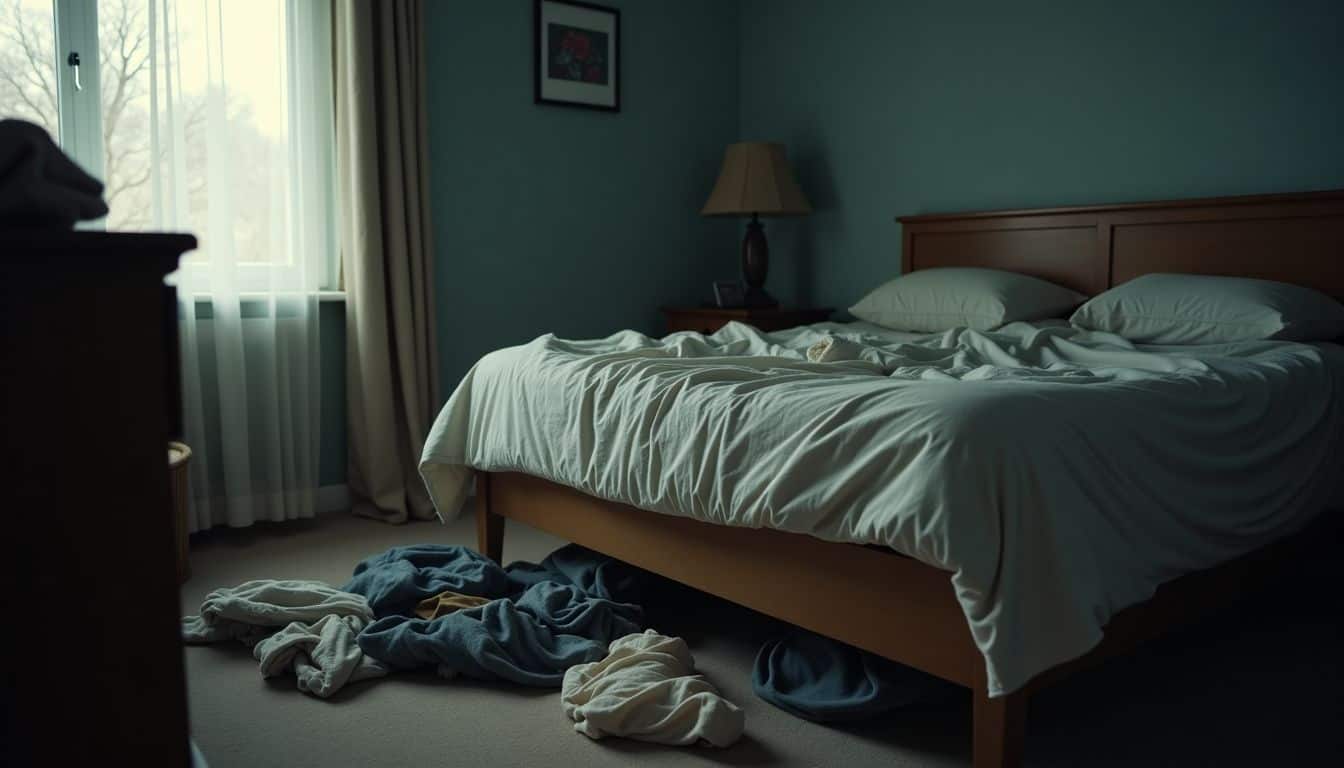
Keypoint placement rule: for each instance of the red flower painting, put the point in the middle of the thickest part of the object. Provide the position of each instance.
(577, 43)
(577, 54)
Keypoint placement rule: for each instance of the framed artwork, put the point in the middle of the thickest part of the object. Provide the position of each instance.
(576, 54)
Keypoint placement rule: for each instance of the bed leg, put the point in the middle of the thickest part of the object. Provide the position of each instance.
(489, 526)
(999, 727)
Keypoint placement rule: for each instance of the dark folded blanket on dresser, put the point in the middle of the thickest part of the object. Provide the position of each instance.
(40, 186)
(541, 619)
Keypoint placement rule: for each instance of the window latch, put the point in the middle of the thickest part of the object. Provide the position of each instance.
(73, 60)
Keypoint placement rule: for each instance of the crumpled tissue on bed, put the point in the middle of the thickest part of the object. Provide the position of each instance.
(836, 349)
(647, 689)
(541, 619)
(306, 626)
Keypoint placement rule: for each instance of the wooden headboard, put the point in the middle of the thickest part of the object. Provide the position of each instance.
(1295, 238)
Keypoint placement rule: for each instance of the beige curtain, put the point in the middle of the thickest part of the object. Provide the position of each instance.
(383, 193)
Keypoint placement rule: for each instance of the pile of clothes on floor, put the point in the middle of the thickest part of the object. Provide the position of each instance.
(573, 622)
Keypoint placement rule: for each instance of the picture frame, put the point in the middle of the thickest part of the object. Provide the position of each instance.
(576, 54)
(729, 294)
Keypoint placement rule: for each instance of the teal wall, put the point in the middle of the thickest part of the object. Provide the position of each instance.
(895, 108)
(573, 221)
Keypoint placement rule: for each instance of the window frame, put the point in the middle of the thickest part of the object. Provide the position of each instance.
(79, 113)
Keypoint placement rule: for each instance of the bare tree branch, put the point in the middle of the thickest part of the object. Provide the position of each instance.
(120, 64)
(34, 54)
(7, 74)
(129, 184)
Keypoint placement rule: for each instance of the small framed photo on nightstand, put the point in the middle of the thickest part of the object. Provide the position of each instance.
(728, 294)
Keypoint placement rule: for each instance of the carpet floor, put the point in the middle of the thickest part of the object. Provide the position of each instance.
(1259, 684)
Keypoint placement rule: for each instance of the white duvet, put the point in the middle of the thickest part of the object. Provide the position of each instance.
(1058, 475)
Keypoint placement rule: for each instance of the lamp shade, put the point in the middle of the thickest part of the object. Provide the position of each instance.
(756, 179)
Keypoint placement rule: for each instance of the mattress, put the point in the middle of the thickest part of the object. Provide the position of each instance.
(1057, 475)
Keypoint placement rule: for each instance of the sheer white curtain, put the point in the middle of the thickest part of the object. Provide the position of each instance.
(241, 154)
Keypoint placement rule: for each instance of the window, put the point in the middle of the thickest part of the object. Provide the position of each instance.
(202, 115)
(28, 63)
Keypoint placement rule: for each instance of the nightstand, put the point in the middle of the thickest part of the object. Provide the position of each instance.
(711, 319)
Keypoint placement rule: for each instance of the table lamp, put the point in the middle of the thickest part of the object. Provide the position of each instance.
(756, 180)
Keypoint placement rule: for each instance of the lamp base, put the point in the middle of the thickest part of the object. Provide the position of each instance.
(755, 266)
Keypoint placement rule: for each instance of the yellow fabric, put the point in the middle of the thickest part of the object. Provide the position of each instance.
(445, 603)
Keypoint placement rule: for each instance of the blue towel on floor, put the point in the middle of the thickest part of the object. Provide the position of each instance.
(398, 579)
(529, 641)
(819, 679)
(597, 575)
(542, 620)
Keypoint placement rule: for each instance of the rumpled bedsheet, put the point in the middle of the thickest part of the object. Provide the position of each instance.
(307, 627)
(540, 621)
(647, 689)
(1057, 475)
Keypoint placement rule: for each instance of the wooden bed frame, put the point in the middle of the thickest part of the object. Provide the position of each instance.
(1295, 238)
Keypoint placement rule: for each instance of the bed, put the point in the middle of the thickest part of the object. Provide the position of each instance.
(924, 621)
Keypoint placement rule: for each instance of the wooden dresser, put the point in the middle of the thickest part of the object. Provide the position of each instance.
(88, 386)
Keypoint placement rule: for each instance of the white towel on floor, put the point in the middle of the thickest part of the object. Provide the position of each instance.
(323, 656)
(647, 689)
(255, 609)
(307, 626)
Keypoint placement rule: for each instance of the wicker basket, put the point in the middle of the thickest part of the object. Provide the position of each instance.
(179, 456)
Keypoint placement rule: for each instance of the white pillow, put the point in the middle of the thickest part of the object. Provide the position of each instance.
(954, 297)
(1207, 309)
